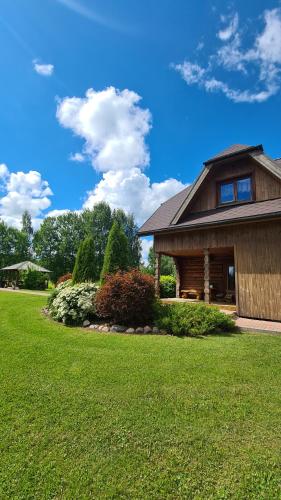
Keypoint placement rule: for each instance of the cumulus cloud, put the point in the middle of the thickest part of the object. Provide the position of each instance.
(146, 244)
(43, 69)
(132, 191)
(4, 172)
(23, 191)
(114, 128)
(263, 57)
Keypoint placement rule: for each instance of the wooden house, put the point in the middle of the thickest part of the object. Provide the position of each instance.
(224, 233)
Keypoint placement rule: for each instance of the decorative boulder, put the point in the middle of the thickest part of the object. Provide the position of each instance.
(139, 330)
(147, 329)
(130, 330)
(86, 323)
(118, 328)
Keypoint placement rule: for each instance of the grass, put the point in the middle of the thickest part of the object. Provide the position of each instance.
(89, 415)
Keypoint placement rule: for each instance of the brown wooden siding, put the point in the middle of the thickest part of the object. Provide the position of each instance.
(257, 259)
(192, 272)
(266, 186)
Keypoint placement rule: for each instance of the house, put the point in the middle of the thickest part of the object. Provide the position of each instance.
(224, 232)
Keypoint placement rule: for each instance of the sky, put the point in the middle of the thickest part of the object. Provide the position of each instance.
(123, 101)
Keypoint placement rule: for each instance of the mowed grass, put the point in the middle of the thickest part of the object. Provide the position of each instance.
(89, 415)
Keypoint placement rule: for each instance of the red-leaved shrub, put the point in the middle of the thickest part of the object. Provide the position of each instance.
(63, 278)
(127, 298)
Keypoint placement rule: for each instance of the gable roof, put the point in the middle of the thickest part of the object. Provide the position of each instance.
(232, 151)
(164, 214)
(255, 152)
(24, 266)
(168, 214)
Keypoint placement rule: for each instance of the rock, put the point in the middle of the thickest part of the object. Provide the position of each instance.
(139, 330)
(118, 328)
(147, 329)
(155, 329)
(130, 330)
(86, 323)
(105, 329)
(93, 327)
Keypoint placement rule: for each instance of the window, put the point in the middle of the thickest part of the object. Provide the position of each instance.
(231, 278)
(238, 190)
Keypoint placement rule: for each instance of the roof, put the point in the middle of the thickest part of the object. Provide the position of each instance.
(231, 214)
(170, 214)
(24, 266)
(165, 213)
(232, 151)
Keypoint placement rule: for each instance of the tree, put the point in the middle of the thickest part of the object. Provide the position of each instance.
(167, 264)
(85, 263)
(116, 256)
(14, 245)
(57, 241)
(26, 223)
(130, 228)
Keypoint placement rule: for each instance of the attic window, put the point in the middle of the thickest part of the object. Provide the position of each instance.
(236, 190)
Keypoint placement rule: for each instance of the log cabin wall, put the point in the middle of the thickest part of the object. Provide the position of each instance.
(192, 272)
(257, 261)
(266, 187)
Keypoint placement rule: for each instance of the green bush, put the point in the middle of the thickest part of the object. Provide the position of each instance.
(167, 286)
(33, 280)
(73, 304)
(116, 257)
(192, 319)
(85, 268)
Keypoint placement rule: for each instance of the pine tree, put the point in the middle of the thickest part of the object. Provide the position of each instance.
(27, 224)
(85, 262)
(116, 257)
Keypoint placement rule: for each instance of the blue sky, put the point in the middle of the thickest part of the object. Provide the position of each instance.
(206, 73)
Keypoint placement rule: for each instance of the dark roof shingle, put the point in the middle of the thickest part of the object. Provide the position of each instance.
(232, 150)
(165, 213)
(230, 214)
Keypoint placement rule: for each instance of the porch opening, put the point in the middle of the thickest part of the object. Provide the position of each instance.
(211, 273)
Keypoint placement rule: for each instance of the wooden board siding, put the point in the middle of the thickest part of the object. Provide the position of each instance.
(265, 185)
(257, 259)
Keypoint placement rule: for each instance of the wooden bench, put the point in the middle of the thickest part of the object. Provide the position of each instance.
(197, 294)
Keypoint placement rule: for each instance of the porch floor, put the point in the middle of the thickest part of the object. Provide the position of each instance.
(243, 324)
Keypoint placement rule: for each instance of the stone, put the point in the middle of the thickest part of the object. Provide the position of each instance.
(139, 330)
(130, 330)
(93, 327)
(105, 329)
(118, 328)
(155, 329)
(147, 329)
(86, 323)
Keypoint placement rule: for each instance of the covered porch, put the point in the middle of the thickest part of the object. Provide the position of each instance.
(206, 274)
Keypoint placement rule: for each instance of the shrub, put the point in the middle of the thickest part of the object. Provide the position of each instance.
(127, 298)
(85, 268)
(55, 291)
(116, 257)
(34, 280)
(193, 319)
(167, 286)
(73, 304)
(64, 277)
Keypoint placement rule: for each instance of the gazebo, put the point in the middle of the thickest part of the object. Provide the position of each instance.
(14, 270)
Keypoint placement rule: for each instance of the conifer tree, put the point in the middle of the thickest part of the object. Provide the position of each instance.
(85, 262)
(116, 257)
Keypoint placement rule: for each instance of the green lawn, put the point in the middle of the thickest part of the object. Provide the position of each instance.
(89, 415)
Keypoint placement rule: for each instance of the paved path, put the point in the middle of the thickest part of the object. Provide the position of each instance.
(27, 292)
(258, 325)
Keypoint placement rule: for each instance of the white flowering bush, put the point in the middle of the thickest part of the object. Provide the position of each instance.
(73, 304)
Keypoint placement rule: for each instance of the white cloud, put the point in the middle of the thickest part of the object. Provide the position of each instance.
(263, 57)
(24, 191)
(57, 213)
(43, 69)
(79, 157)
(231, 28)
(113, 127)
(132, 191)
(146, 244)
(4, 172)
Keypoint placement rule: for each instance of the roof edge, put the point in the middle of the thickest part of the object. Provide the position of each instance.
(249, 149)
